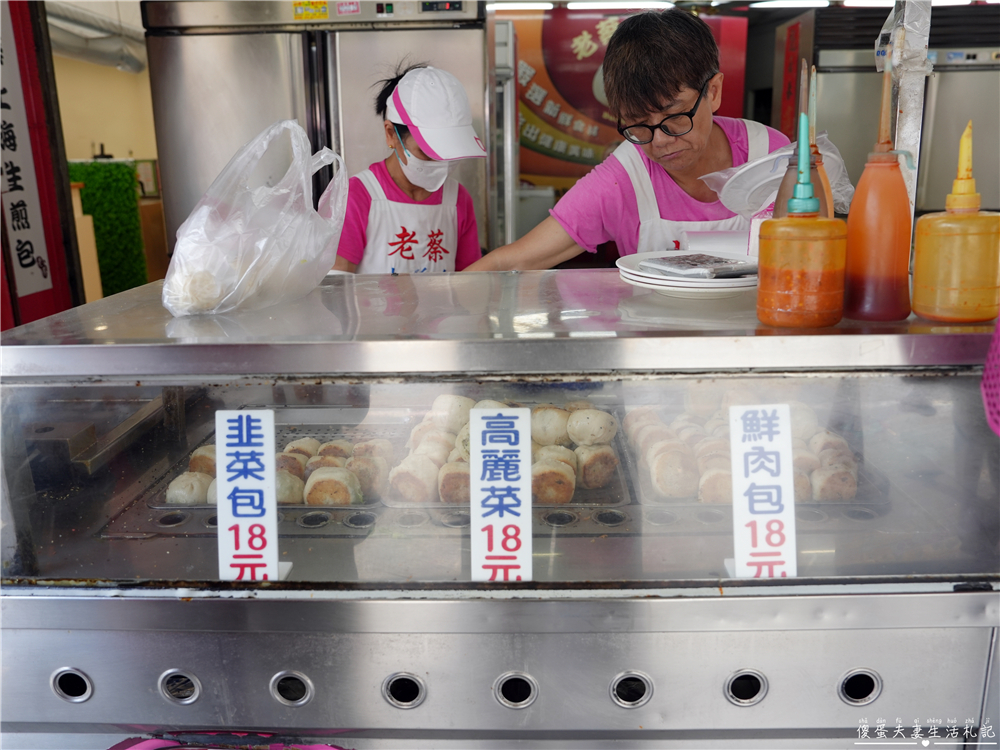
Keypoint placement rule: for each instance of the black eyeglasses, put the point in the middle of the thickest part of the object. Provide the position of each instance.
(680, 124)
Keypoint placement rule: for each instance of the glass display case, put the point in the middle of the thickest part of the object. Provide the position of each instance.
(636, 624)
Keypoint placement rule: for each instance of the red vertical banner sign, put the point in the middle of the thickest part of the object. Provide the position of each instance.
(730, 34)
(36, 269)
(789, 82)
(7, 319)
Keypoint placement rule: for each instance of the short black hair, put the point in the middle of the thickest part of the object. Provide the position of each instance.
(388, 86)
(652, 55)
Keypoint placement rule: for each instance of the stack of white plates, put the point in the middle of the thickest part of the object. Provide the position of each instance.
(681, 286)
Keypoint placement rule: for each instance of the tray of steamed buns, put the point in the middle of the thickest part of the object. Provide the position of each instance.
(575, 451)
(678, 457)
(310, 472)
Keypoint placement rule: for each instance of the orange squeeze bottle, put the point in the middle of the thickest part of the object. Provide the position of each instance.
(824, 187)
(956, 262)
(802, 256)
(877, 285)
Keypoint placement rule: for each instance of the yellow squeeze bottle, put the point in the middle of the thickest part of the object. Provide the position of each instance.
(956, 267)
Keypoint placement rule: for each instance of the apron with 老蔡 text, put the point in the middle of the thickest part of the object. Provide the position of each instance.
(410, 237)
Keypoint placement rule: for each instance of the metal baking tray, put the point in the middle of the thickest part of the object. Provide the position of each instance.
(394, 425)
(873, 492)
(284, 434)
(616, 493)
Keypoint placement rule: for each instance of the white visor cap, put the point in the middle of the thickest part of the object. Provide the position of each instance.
(435, 107)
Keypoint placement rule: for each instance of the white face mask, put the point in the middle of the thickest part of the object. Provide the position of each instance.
(429, 175)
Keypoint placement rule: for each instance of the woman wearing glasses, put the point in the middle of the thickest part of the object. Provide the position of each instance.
(405, 214)
(662, 80)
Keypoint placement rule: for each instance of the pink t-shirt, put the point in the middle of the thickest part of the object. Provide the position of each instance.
(601, 206)
(354, 236)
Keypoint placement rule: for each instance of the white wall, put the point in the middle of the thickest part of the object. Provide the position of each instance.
(101, 104)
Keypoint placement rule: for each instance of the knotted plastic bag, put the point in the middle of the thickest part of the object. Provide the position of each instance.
(254, 239)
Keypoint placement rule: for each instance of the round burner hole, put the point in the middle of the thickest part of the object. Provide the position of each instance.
(860, 687)
(360, 520)
(404, 690)
(456, 520)
(661, 517)
(291, 688)
(72, 685)
(746, 687)
(860, 514)
(515, 689)
(314, 519)
(179, 687)
(412, 519)
(172, 519)
(710, 516)
(212, 522)
(631, 689)
(811, 515)
(610, 517)
(560, 518)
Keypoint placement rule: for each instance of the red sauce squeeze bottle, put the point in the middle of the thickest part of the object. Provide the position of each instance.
(878, 231)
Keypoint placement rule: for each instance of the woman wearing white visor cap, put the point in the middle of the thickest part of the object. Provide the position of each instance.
(405, 214)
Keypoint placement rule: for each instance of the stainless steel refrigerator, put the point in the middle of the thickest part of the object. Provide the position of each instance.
(220, 72)
(965, 85)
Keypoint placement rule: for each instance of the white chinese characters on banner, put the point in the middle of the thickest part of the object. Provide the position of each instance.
(500, 479)
(763, 491)
(247, 497)
(18, 184)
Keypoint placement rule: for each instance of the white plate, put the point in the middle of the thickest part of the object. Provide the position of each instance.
(754, 185)
(746, 283)
(670, 282)
(699, 293)
(630, 264)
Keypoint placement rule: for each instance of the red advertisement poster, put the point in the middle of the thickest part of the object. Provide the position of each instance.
(564, 122)
(563, 118)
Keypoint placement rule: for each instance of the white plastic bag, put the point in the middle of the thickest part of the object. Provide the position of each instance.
(254, 239)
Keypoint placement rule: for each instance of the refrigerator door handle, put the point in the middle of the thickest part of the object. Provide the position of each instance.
(927, 138)
(511, 159)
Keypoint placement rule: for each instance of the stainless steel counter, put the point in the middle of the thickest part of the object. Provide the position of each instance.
(531, 323)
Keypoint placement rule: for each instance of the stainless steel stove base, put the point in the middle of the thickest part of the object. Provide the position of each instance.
(730, 672)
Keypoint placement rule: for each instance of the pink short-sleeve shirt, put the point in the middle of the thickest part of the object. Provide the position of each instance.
(601, 207)
(354, 236)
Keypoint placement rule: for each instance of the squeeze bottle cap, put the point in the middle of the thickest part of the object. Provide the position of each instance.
(803, 200)
(963, 195)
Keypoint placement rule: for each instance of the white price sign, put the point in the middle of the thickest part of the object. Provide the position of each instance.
(500, 479)
(248, 503)
(763, 491)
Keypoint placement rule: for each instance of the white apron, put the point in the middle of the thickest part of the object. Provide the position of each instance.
(409, 237)
(656, 233)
